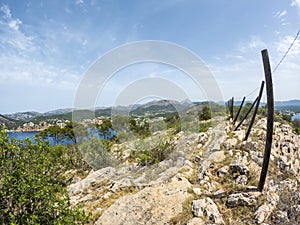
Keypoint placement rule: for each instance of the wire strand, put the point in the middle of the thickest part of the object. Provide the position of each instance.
(252, 92)
(287, 52)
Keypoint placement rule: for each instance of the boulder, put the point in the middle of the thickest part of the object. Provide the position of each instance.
(93, 179)
(241, 199)
(207, 209)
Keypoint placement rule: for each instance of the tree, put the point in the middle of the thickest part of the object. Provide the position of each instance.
(74, 132)
(31, 187)
(120, 123)
(173, 121)
(142, 129)
(205, 114)
(105, 129)
(54, 132)
(296, 124)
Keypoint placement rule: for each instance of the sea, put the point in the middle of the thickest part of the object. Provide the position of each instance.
(30, 135)
(296, 116)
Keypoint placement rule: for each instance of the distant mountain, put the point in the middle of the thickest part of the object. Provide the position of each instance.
(287, 103)
(57, 112)
(27, 116)
(157, 107)
(292, 106)
(23, 116)
(8, 122)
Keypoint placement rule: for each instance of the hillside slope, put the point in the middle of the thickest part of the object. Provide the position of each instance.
(210, 178)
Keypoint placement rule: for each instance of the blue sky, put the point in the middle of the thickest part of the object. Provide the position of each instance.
(47, 46)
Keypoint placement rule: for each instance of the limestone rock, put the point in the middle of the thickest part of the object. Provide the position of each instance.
(196, 221)
(87, 198)
(241, 199)
(219, 194)
(206, 208)
(230, 143)
(118, 185)
(202, 138)
(92, 179)
(152, 205)
(237, 170)
(197, 191)
(241, 180)
(222, 171)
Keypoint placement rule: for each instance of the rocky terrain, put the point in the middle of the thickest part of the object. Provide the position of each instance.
(209, 178)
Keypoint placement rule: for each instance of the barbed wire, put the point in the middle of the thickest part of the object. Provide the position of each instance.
(252, 92)
(287, 52)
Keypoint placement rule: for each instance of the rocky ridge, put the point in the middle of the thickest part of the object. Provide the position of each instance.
(210, 178)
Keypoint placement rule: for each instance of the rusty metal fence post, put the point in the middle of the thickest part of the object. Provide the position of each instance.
(270, 119)
(255, 111)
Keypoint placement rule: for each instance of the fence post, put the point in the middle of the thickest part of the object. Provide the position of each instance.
(238, 113)
(231, 107)
(270, 119)
(246, 115)
(255, 111)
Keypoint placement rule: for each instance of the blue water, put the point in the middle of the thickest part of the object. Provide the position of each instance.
(296, 116)
(23, 135)
(30, 135)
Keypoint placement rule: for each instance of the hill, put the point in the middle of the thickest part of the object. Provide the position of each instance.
(292, 106)
(206, 178)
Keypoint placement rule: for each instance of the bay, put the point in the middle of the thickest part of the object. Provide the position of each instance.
(296, 116)
(30, 135)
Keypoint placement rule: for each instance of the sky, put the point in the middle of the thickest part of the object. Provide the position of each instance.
(47, 47)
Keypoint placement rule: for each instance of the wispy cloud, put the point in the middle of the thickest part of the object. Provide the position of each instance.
(5, 9)
(8, 18)
(254, 43)
(281, 16)
(284, 43)
(296, 3)
(79, 2)
(23, 56)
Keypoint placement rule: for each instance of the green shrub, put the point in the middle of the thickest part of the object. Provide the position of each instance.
(205, 114)
(31, 186)
(152, 150)
(204, 126)
(96, 153)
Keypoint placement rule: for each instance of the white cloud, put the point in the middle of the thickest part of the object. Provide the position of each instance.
(5, 9)
(280, 14)
(12, 38)
(285, 42)
(254, 43)
(22, 56)
(14, 24)
(295, 3)
(79, 2)
(24, 70)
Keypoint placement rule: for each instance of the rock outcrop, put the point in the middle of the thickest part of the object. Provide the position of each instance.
(209, 178)
(152, 205)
